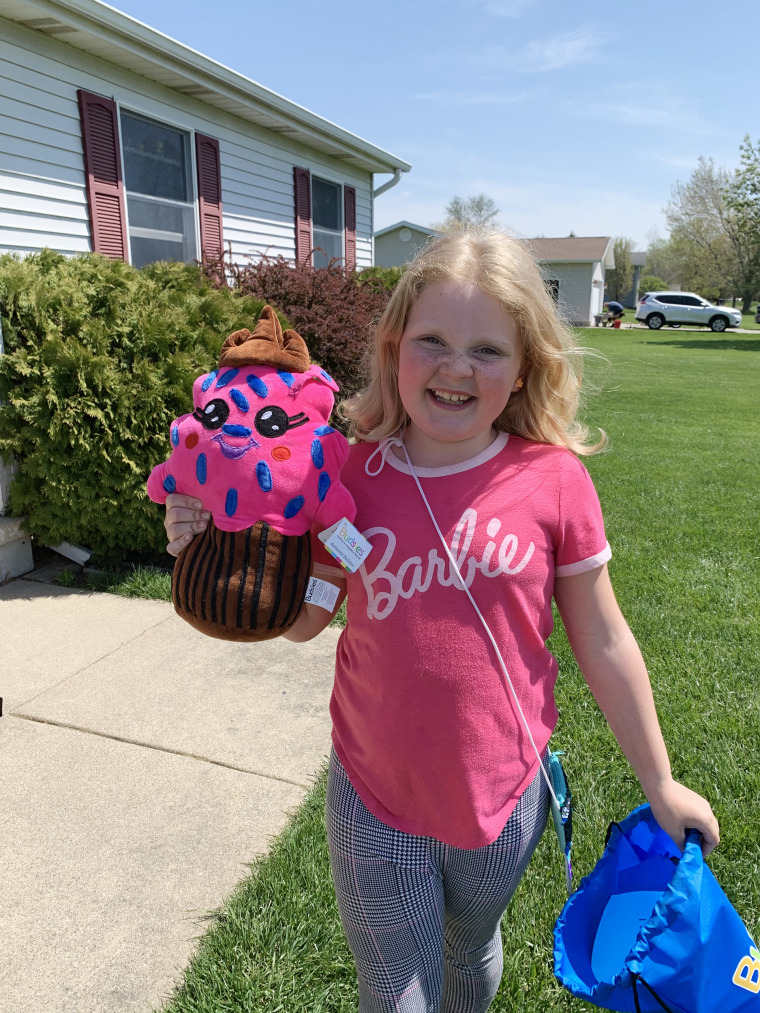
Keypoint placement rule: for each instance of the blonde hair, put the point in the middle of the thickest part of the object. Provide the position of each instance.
(545, 409)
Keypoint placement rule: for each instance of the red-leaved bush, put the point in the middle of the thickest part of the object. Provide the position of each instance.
(326, 305)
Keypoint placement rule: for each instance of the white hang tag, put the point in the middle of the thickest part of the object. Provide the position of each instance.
(322, 593)
(347, 545)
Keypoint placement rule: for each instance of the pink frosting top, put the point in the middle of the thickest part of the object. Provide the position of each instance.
(258, 447)
(422, 720)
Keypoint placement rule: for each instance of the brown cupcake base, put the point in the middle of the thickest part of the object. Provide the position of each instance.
(242, 585)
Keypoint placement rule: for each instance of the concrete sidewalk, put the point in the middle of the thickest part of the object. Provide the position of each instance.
(142, 765)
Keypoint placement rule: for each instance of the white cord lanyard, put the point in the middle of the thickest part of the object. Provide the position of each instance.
(485, 627)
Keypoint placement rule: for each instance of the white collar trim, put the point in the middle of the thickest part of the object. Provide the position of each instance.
(452, 469)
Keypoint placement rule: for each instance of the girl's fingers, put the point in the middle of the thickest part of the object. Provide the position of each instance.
(180, 499)
(185, 518)
(178, 521)
(175, 547)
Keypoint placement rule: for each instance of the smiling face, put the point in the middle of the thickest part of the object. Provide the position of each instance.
(459, 357)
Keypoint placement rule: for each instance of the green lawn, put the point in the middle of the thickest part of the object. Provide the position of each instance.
(137, 582)
(679, 486)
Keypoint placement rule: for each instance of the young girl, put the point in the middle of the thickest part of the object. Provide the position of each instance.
(435, 798)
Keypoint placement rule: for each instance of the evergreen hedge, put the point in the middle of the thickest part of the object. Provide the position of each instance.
(100, 358)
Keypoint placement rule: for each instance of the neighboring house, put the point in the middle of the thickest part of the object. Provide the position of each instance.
(398, 244)
(574, 268)
(116, 138)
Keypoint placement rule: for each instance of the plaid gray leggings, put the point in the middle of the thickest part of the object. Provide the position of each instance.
(422, 918)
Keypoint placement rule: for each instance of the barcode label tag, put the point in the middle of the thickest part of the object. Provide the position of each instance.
(320, 592)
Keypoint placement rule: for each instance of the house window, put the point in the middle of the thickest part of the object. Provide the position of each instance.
(325, 217)
(158, 184)
(553, 285)
(327, 220)
(139, 169)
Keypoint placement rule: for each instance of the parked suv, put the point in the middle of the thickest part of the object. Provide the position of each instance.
(676, 308)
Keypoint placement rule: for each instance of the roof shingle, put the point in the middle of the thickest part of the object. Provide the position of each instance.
(568, 248)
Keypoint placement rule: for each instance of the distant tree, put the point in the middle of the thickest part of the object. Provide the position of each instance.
(571, 234)
(700, 272)
(468, 212)
(684, 264)
(620, 278)
(702, 229)
(742, 200)
(663, 261)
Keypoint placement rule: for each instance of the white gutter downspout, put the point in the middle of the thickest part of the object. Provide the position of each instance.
(398, 173)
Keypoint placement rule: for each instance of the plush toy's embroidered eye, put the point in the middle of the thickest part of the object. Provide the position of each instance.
(274, 421)
(214, 415)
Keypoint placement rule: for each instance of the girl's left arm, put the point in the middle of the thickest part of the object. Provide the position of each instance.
(614, 670)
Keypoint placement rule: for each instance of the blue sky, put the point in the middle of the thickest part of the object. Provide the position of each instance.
(572, 116)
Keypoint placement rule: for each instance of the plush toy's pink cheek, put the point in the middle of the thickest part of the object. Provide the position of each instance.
(191, 441)
(280, 453)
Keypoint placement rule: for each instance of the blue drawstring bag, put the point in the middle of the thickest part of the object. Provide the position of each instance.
(650, 930)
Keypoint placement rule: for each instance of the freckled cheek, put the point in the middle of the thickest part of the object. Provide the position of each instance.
(416, 368)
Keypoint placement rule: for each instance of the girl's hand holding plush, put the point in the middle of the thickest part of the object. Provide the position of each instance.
(185, 518)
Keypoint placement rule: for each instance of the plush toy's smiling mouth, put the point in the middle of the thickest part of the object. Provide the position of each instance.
(234, 451)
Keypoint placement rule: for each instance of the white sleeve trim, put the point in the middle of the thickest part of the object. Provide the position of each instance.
(570, 569)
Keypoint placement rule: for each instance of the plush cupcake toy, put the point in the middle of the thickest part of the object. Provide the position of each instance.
(259, 452)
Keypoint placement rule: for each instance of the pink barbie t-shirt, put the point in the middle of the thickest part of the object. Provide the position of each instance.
(422, 721)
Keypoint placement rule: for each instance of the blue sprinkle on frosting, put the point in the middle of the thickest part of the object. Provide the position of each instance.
(175, 436)
(317, 454)
(170, 483)
(257, 385)
(209, 380)
(230, 430)
(240, 399)
(287, 378)
(264, 476)
(292, 508)
(324, 485)
(201, 469)
(230, 505)
(226, 377)
(323, 430)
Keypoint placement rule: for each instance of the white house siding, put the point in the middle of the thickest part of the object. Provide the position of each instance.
(42, 181)
(391, 251)
(574, 290)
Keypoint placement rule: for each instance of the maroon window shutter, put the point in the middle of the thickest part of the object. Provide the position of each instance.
(209, 195)
(302, 185)
(349, 202)
(105, 182)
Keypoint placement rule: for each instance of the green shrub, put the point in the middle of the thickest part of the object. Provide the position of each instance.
(651, 283)
(100, 358)
(331, 312)
(380, 277)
